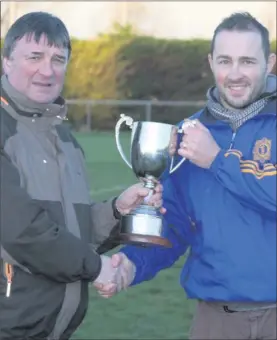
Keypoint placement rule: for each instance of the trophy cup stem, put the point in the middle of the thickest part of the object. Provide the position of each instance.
(149, 183)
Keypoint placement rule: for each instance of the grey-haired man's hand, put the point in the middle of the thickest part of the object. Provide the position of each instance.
(122, 272)
(108, 272)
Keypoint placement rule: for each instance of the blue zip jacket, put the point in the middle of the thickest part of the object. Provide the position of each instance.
(225, 216)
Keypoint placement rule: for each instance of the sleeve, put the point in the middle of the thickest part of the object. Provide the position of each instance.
(152, 259)
(253, 184)
(31, 238)
(105, 225)
(105, 221)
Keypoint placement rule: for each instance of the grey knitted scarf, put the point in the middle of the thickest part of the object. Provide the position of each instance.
(237, 118)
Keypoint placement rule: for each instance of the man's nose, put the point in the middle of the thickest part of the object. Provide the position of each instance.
(235, 72)
(46, 69)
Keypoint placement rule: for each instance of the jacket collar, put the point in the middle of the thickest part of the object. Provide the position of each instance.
(28, 108)
(270, 109)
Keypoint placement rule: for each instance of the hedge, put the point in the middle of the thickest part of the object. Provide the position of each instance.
(122, 65)
(139, 67)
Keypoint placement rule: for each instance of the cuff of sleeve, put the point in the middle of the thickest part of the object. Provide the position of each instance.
(218, 162)
(130, 253)
(93, 265)
(116, 213)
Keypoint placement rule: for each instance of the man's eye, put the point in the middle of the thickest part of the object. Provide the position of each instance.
(59, 61)
(34, 57)
(223, 61)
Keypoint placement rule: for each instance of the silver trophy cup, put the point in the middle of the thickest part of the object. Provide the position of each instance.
(153, 146)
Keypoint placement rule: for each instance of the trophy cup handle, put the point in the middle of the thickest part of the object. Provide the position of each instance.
(186, 123)
(176, 166)
(129, 122)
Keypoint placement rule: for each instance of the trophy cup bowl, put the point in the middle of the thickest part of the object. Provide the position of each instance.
(153, 146)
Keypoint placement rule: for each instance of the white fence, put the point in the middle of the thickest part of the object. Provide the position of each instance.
(146, 105)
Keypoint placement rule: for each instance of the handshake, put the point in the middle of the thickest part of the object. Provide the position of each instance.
(117, 273)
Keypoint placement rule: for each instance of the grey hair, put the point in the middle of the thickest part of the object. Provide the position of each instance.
(34, 25)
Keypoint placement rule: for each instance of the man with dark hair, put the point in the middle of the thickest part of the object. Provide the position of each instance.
(221, 203)
(51, 232)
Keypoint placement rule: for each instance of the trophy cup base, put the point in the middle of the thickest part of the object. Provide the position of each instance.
(144, 240)
(143, 227)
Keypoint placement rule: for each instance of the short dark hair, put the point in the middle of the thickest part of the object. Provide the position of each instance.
(36, 24)
(243, 22)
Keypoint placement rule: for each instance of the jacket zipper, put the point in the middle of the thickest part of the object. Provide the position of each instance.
(233, 140)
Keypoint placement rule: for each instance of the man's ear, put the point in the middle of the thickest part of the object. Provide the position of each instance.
(210, 58)
(271, 62)
(7, 65)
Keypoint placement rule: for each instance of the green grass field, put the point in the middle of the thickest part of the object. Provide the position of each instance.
(157, 309)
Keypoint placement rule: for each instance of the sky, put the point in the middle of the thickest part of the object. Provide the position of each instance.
(172, 19)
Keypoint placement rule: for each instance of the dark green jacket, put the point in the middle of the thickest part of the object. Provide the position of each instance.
(50, 229)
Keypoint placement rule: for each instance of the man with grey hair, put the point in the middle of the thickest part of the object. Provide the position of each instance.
(51, 232)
